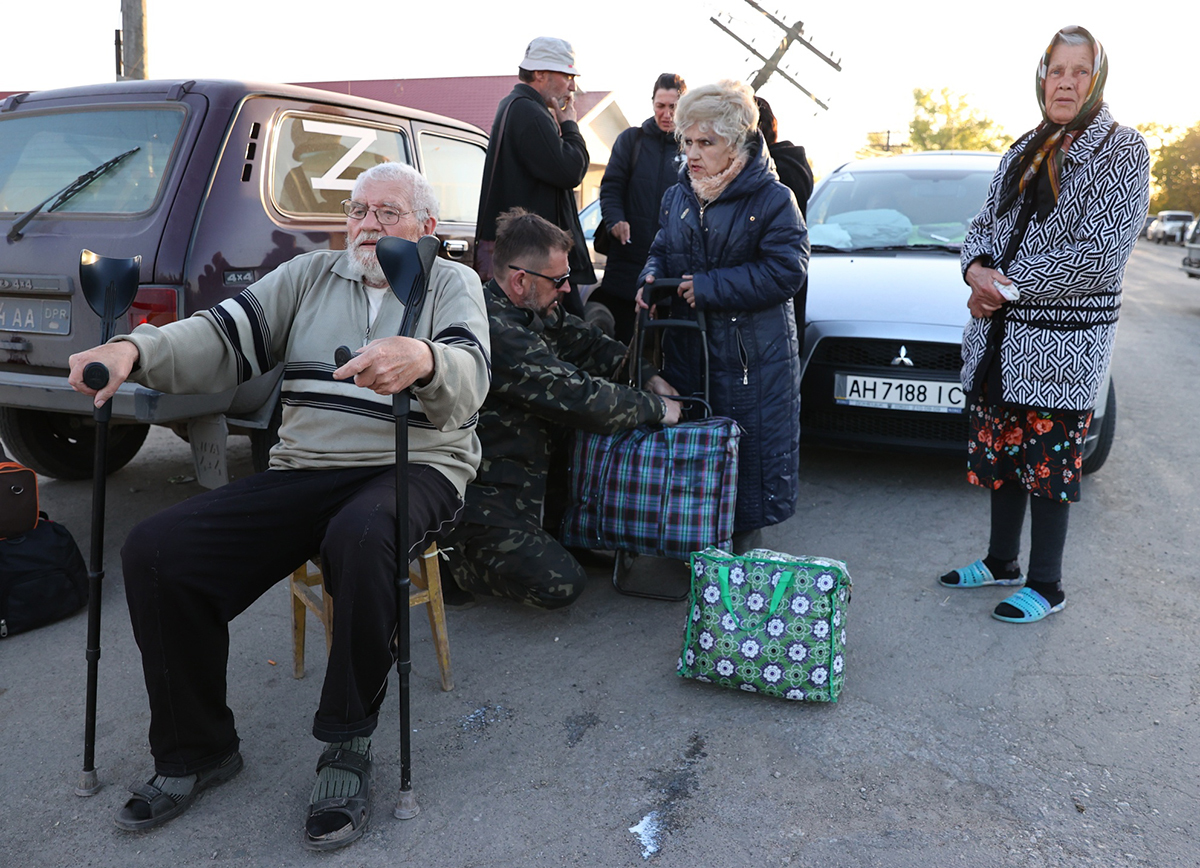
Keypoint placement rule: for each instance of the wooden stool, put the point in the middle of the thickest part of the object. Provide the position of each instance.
(426, 578)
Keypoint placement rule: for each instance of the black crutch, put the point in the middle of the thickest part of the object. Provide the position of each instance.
(407, 266)
(109, 285)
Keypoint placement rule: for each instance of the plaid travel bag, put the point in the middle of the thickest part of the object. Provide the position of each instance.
(767, 622)
(664, 491)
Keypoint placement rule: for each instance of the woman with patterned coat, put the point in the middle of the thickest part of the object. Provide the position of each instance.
(735, 236)
(1045, 259)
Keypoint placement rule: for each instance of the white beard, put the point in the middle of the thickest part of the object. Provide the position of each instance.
(365, 259)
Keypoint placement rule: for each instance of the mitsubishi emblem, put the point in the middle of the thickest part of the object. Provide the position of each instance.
(903, 358)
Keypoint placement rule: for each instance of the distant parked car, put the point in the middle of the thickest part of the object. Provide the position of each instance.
(1191, 240)
(1146, 226)
(589, 219)
(1169, 226)
(887, 305)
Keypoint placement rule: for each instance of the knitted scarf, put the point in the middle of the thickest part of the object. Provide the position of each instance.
(707, 189)
(1040, 164)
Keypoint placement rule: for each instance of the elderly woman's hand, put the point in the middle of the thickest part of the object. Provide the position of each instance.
(687, 289)
(639, 303)
(985, 299)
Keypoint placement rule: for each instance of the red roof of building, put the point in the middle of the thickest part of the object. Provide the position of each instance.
(471, 98)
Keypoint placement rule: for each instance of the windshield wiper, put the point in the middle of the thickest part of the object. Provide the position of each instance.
(62, 196)
(953, 247)
(918, 248)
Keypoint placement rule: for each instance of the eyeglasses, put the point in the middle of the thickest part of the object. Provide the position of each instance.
(386, 216)
(558, 282)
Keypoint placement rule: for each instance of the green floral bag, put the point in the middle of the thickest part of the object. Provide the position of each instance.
(767, 622)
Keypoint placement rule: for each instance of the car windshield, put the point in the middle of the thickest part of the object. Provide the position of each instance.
(895, 208)
(41, 154)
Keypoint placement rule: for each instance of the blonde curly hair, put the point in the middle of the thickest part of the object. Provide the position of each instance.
(726, 108)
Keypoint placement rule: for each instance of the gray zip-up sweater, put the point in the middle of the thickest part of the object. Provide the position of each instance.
(299, 314)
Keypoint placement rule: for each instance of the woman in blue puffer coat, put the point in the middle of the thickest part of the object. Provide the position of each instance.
(735, 236)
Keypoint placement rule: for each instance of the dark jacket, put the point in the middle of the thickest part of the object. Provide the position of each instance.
(796, 174)
(794, 171)
(548, 375)
(632, 191)
(748, 250)
(538, 168)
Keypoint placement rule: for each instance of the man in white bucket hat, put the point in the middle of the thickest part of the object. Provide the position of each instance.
(537, 157)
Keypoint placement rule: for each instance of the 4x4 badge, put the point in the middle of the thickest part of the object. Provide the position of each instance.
(903, 358)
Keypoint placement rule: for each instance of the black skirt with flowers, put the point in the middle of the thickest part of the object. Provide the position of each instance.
(1041, 449)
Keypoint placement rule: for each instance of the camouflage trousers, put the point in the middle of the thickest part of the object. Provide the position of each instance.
(527, 565)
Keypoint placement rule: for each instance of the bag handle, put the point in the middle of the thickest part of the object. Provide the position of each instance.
(781, 587)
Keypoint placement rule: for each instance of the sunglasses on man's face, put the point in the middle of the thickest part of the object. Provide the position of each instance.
(558, 282)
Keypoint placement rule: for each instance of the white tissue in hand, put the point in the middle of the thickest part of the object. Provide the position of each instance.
(1008, 290)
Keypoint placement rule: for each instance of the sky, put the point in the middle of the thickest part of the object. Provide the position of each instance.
(985, 51)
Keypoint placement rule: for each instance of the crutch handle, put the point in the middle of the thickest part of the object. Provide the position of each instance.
(95, 375)
(342, 355)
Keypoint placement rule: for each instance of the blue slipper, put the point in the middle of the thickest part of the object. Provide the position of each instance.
(1032, 606)
(977, 575)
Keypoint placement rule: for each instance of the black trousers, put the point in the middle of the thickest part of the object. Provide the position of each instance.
(1048, 521)
(192, 568)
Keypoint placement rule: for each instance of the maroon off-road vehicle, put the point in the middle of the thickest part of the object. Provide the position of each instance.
(213, 184)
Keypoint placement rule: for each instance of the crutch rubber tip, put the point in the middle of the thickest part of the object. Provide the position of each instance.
(407, 807)
(89, 784)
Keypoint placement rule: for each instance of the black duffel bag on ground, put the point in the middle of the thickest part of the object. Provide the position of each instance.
(43, 578)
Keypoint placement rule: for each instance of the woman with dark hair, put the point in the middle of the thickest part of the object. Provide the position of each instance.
(735, 237)
(1044, 260)
(791, 163)
(643, 164)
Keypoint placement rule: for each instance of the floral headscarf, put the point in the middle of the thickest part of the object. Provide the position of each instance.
(1051, 141)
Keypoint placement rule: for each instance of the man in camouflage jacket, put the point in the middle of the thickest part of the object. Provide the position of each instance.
(551, 372)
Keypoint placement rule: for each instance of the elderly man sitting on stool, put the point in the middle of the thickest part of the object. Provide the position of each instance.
(331, 488)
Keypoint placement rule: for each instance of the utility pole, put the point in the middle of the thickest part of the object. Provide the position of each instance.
(770, 67)
(131, 41)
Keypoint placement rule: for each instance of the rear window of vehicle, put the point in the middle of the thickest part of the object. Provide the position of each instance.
(317, 159)
(455, 170)
(878, 209)
(43, 153)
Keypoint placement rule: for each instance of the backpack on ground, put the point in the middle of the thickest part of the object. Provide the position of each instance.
(43, 577)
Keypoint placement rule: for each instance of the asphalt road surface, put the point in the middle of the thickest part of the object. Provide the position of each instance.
(957, 740)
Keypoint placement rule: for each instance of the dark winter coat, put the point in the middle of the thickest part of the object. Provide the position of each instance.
(538, 168)
(748, 250)
(632, 191)
(1056, 340)
(791, 164)
(794, 172)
